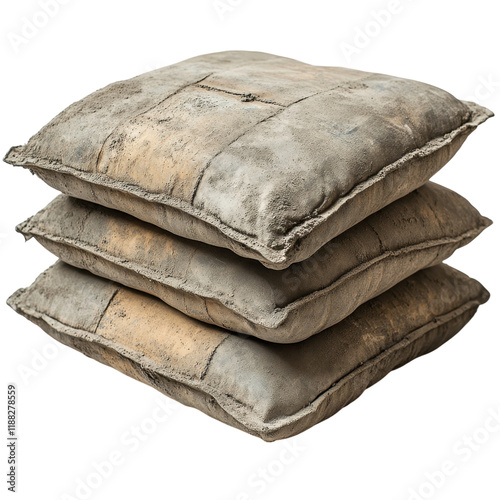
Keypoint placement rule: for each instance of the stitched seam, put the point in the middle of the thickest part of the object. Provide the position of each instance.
(128, 120)
(387, 254)
(280, 314)
(86, 176)
(437, 321)
(209, 361)
(271, 254)
(206, 310)
(278, 423)
(209, 163)
(106, 308)
(255, 125)
(281, 422)
(380, 244)
(247, 96)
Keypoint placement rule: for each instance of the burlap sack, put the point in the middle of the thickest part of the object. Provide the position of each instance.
(261, 154)
(217, 286)
(270, 390)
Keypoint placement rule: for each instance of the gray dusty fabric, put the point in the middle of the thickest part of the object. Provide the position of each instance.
(270, 390)
(217, 286)
(261, 154)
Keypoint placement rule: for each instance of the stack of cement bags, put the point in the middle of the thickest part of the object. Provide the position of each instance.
(251, 235)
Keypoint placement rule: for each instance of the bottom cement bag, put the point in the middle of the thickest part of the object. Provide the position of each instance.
(273, 391)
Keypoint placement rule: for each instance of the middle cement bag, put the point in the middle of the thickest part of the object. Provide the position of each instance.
(216, 286)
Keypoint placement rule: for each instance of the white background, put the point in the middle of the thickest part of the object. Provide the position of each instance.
(75, 413)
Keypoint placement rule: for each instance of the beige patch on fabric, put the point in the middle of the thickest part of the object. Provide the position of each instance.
(140, 323)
